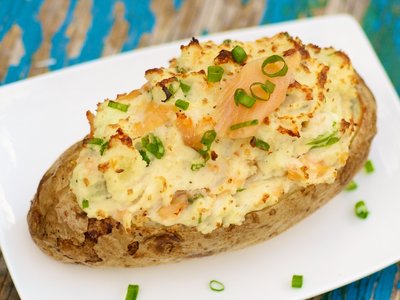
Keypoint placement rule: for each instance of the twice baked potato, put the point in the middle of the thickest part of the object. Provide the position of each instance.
(229, 146)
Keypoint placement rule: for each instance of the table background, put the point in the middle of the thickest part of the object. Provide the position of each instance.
(38, 36)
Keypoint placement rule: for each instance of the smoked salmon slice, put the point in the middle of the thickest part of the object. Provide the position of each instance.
(228, 113)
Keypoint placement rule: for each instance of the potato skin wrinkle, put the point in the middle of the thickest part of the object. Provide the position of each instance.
(61, 229)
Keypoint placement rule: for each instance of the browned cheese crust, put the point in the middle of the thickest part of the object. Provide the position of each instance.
(62, 230)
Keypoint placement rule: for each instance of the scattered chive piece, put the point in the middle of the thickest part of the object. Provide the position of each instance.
(185, 88)
(182, 104)
(95, 141)
(351, 186)
(240, 190)
(268, 87)
(297, 281)
(145, 157)
(227, 41)
(361, 210)
(103, 148)
(216, 286)
(324, 141)
(244, 124)
(208, 137)
(196, 167)
(85, 203)
(214, 73)
(154, 145)
(369, 167)
(273, 59)
(239, 55)
(195, 197)
(242, 98)
(255, 142)
(120, 106)
(132, 292)
(199, 220)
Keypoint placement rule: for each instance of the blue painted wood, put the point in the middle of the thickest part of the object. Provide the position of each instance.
(60, 41)
(25, 16)
(141, 20)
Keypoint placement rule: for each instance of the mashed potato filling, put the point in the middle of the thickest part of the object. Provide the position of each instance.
(154, 154)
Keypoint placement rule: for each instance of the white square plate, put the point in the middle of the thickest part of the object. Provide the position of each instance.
(41, 117)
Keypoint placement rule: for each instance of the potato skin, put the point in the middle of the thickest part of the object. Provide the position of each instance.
(62, 230)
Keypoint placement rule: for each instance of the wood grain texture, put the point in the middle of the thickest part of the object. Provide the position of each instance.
(38, 36)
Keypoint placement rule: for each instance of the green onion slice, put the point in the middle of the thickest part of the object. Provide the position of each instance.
(216, 286)
(369, 167)
(273, 59)
(351, 186)
(324, 140)
(103, 148)
(145, 157)
(361, 210)
(208, 138)
(214, 73)
(255, 142)
(120, 106)
(239, 55)
(297, 281)
(240, 190)
(154, 145)
(262, 91)
(132, 292)
(95, 141)
(196, 167)
(195, 197)
(85, 203)
(242, 98)
(244, 124)
(185, 88)
(182, 104)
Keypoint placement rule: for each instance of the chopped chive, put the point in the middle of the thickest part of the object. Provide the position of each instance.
(185, 88)
(369, 167)
(120, 106)
(182, 104)
(216, 286)
(214, 73)
(244, 124)
(240, 190)
(132, 292)
(255, 142)
(242, 98)
(267, 89)
(239, 55)
(297, 281)
(361, 210)
(199, 220)
(85, 203)
(208, 138)
(227, 41)
(95, 141)
(351, 186)
(145, 157)
(103, 148)
(196, 167)
(273, 59)
(324, 140)
(154, 145)
(195, 197)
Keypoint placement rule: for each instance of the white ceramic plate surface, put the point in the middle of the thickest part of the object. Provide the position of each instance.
(41, 117)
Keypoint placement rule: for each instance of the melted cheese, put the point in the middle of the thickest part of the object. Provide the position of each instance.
(117, 182)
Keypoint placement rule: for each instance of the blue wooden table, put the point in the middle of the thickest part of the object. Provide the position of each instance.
(38, 36)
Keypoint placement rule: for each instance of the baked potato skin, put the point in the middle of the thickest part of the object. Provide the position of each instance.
(62, 230)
